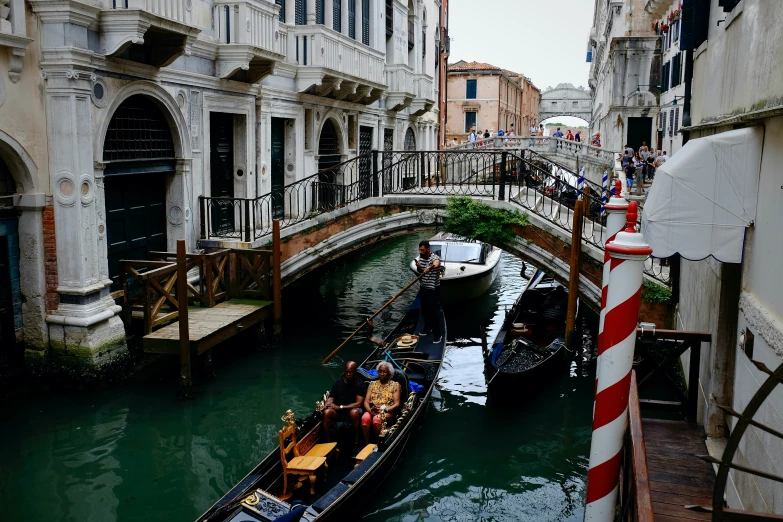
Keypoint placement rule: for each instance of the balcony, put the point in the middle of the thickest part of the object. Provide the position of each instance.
(425, 95)
(399, 79)
(250, 41)
(332, 64)
(154, 32)
(658, 8)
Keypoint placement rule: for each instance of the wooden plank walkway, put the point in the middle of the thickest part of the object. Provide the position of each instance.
(209, 326)
(677, 477)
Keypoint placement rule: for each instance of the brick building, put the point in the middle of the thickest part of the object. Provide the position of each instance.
(488, 97)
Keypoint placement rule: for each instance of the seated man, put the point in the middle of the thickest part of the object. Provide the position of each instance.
(345, 401)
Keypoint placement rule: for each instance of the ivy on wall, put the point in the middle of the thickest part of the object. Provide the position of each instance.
(475, 220)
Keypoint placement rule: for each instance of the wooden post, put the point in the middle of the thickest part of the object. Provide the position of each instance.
(573, 281)
(186, 368)
(276, 282)
(692, 409)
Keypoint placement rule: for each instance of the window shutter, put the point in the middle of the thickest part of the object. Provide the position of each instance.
(337, 23)
(471, 90)
(695, 19)
(663, 123)
(676, 120)
(300, 12)
(319, 12)
(671, 123)
(281, 16)
(352, 19)
(366, 22)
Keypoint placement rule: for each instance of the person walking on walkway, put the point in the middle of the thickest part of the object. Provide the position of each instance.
(429, 264)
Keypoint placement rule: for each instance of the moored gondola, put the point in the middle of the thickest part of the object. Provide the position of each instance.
(528, 350)
(343, 486)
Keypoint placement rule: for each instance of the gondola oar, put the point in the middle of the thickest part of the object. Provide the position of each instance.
(390, 301)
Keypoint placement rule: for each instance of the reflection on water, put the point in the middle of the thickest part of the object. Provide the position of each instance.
(134, 452)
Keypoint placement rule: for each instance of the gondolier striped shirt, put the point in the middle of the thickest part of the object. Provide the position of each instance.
(431, 279)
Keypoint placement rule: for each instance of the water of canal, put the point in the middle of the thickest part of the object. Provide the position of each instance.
(134, 452)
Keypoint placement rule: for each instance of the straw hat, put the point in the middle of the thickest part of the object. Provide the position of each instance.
(407, 340)
(519, 326)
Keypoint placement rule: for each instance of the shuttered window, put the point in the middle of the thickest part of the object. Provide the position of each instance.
(470, 93)
(676, 120)
(662, 126)
(352, 19)
(300, 12)
(671, 124)
(366, 22)
(319, 12)
(281, 16)
(338, 16)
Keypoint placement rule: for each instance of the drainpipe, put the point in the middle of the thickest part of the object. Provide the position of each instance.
(686, 109)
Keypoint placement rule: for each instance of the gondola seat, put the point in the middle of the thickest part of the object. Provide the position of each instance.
(323, 450)
(359, 471)
(366, 451)
(299, 465)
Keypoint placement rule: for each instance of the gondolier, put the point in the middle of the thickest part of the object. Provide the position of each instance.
(429, 263)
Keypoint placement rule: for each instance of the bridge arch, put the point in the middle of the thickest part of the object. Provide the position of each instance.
(566, 100)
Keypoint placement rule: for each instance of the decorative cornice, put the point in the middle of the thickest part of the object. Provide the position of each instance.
(763, 321)
(66, 11)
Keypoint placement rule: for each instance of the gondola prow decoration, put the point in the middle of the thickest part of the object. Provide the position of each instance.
(368, 321)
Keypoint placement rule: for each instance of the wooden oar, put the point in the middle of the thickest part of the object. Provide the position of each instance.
(381, 309)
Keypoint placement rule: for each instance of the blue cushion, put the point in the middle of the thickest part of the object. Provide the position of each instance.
(331, 496)
(362, 468)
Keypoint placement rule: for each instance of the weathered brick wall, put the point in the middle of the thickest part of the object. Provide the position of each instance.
(50, 258)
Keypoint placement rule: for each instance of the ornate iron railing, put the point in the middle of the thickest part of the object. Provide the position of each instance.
(470, 173)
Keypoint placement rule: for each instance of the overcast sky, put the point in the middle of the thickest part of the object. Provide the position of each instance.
(546, 40)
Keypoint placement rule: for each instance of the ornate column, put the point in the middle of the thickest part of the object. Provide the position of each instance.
(84, 330)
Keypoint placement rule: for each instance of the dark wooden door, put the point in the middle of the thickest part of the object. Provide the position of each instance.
(365, 162)
(278, 167)
(328, 158)
(7, 336)
(135, 218)
(221, 138)
(639, 130)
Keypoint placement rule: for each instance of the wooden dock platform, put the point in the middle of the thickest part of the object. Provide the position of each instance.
(209, 326)
(677, 478)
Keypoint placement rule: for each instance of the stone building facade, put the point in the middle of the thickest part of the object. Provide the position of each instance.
(116, 116)
(487, 97)
(668, 26)
(736, 85)
(624, 73)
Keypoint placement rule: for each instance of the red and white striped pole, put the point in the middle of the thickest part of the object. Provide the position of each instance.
(616, 209)
(615, 358)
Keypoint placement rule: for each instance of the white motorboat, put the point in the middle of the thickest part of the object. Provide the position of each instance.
(471, 266)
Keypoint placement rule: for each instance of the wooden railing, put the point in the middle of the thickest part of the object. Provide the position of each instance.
(149, 287)
(636, 502)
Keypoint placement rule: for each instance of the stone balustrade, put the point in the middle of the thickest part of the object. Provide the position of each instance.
(399, 79)
(178, 10)
(251, 22)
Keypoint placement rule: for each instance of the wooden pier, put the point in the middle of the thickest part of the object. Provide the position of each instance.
(207, 327)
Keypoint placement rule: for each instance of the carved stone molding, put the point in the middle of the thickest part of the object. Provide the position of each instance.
(17, 46)
(257, 63)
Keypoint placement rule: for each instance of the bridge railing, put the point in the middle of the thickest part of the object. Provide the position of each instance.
(545, 145)
(527, 178)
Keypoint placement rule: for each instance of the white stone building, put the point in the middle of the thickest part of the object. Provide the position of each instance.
(117, 115)
(669, 27)
(737, 90)
(624, 73)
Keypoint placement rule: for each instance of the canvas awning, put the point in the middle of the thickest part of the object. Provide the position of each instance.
(705, 196)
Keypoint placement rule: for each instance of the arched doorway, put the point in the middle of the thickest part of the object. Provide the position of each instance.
(10, 293)
(328, 158)
(410, 140)
(139, 152)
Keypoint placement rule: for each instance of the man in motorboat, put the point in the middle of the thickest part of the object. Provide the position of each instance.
(383, 399)
(345, 401)
(429, 264)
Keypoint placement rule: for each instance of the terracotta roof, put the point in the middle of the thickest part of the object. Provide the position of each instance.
(473, 66)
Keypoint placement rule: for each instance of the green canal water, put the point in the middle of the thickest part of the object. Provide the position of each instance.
(134, 452)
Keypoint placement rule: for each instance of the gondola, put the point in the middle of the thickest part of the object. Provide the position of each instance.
(341, 490)
(528, 351)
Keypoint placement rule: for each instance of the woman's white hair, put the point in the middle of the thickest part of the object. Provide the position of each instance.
(388, 366)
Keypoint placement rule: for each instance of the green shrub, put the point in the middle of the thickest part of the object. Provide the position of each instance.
(475, 220)
(655, 293)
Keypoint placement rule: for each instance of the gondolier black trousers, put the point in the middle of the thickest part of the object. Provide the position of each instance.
(430, 308)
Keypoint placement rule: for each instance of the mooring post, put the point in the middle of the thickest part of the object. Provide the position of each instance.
(186, 363)
(615, 359)
(503, 159)
(573, 281)
(276, 281)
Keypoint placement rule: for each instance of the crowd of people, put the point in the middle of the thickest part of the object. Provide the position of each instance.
(639, 165)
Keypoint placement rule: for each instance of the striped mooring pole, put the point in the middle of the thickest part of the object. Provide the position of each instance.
(616, 210)
(580, 182)
(615, 358)
(604, 189)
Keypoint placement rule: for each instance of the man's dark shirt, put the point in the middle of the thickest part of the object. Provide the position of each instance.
(343, 393)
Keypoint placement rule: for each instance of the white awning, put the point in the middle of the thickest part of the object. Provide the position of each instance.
(705, 196)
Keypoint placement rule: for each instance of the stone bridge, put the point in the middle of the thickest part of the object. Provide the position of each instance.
(566, 100)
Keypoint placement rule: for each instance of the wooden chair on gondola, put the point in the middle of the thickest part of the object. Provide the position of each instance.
(301, 465)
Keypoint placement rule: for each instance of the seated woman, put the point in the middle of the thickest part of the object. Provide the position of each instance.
(382, 398)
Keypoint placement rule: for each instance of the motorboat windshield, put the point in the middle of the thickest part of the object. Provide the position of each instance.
(459, 252)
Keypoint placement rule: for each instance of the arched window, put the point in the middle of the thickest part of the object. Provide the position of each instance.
(138, 131)
(410, 140)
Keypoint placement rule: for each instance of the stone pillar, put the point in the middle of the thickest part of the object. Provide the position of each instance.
(84, 331)
(290, 12)
(32, 277)
(329, 13)
(358, 20)
(177, 212)
(310, 12)
(344, 13)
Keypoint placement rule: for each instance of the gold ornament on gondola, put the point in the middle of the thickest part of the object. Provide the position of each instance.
(384, 431)
(288, 417)
(252, 500)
